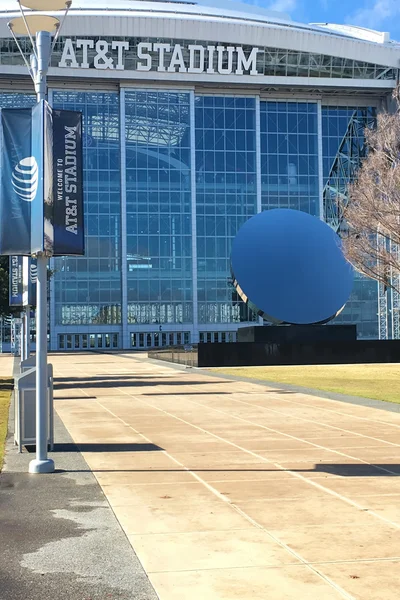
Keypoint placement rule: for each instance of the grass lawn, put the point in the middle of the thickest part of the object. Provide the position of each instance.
(6, 386)
(379, 382)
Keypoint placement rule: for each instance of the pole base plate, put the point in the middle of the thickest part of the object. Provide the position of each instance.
(41, 466)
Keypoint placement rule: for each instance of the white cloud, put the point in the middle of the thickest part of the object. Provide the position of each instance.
(375, 16)
(282, 5)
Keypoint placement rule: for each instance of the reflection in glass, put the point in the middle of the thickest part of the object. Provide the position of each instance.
(158, 183)
(362, 307)
(289, 156)
(225, 199)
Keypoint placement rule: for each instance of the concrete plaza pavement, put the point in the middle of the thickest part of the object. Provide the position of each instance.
(231, 489)
(234, 490)
(59, 537)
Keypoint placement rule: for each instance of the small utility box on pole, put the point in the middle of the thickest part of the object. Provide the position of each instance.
(25, 408)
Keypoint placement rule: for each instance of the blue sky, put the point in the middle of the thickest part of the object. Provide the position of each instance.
(382, 15)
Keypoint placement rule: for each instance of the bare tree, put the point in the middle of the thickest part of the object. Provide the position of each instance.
(371, 228)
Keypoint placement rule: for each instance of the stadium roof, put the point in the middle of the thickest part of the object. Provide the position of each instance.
(224, 21)
(230, 8)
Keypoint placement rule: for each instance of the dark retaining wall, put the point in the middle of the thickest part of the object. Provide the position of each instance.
(247, 354)
(293, 334)
(255, 353)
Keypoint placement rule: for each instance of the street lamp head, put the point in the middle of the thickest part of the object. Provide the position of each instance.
(35, 23)
(46, 5)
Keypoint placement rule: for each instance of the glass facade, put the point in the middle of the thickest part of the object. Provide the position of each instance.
(226, 197)
(362, 307)
(158, 207)
(16, 100)
(170, 176)
(289, 156)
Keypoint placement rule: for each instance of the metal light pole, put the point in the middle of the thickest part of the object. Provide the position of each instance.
(26, 319)
(26, 334)
(22, 334)
(42, 46)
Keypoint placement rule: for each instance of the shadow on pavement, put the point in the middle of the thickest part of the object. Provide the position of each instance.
(180, 393)
(358, 470)
(345, 470)
(76, 398)
(67, 383)
(71, 447)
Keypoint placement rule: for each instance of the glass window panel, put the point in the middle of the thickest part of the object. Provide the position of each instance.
(225, 196)
(343, 127)
(157, 137)
(287, 139)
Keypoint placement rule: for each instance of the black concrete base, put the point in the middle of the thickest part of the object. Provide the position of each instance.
(314, 353)
(283, 334)
(300, 353)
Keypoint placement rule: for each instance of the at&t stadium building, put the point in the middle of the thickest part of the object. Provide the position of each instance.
(197, 115)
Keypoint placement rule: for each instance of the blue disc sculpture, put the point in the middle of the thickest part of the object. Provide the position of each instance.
(288, 267)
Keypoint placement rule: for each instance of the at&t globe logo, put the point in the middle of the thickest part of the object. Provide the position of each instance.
(25, 178)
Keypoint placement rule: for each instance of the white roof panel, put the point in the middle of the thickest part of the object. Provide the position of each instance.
(220, 20)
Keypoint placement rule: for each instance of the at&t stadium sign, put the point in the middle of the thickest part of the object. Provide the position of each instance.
(161, 57)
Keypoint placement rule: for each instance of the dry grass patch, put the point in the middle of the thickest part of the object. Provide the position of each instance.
(378, 381)
(6, 386)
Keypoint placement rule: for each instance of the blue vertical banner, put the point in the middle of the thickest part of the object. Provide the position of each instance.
(48, 187)
(68, 219)
(22, 281)
(41, 182)
(16, 283)
(19, 181)
(37, 209)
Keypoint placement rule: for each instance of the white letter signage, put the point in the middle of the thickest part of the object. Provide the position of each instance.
(162, 57)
